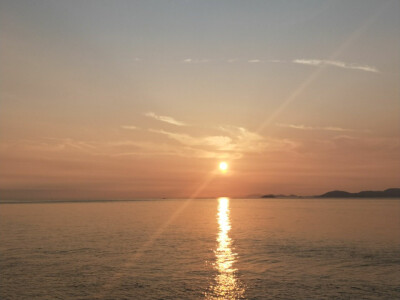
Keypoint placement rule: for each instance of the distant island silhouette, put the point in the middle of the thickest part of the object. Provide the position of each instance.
(389, 193)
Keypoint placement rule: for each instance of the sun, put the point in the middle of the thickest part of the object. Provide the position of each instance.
(223, 166)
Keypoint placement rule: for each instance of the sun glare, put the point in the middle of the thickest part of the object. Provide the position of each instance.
(223, 166)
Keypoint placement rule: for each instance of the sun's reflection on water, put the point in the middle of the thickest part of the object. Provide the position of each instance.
(226, 284)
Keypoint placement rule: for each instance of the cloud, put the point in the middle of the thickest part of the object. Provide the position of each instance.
(195, 60)
(233, 143)
(345, 137)
(246, 141)
(304, 127)
(335, 63)
(226, 142)
(254, 61)
(220, 143)
(129, 127)
(241, 134)
(333, 128)
(165, 119)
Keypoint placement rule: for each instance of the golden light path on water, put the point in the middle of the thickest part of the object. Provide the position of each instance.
(226, 284)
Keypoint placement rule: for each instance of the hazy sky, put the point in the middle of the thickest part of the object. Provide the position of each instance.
(129, 99)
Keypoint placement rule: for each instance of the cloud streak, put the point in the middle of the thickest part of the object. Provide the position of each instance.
(335, 63)
(218, 142)
(304, 127)
(129, 127)
(195, 60)
(309, 62)
(254, 61)
(225, 142)
(165, 119)
(233, 142)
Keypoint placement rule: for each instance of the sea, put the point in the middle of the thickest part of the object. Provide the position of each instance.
(201, 249)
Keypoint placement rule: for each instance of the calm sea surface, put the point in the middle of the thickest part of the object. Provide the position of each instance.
(201, 249)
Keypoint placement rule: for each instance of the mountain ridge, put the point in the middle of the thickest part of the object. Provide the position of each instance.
(388, 193)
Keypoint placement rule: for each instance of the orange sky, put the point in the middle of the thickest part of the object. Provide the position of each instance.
(144, 99)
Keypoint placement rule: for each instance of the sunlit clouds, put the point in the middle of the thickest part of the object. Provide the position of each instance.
(310, 62)
(165, 119)
(305, 127)
(335, 63)
(129, 127)
(220, 143)
(195, 60)
(252, 61)
(233, 142)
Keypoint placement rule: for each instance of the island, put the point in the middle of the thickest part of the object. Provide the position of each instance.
(388, 193)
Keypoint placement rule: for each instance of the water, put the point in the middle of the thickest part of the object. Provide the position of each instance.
(201, 249)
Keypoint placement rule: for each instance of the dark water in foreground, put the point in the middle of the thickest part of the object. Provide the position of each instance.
(201, 249)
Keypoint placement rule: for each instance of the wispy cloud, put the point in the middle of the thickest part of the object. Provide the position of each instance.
(165, 119)
(195, 60)
(304, 127)
(129, 127)
(233, 143)
(225, 142)
(241, 135)
(246, 141)
(220, 143)
(335, 63)
(302, 61)
(254, 61)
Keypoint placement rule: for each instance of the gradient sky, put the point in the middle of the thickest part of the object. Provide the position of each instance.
(131, 99)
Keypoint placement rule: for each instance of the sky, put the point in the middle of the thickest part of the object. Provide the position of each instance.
(143, 99)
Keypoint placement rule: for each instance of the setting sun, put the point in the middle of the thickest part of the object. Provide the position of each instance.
(223, 166)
